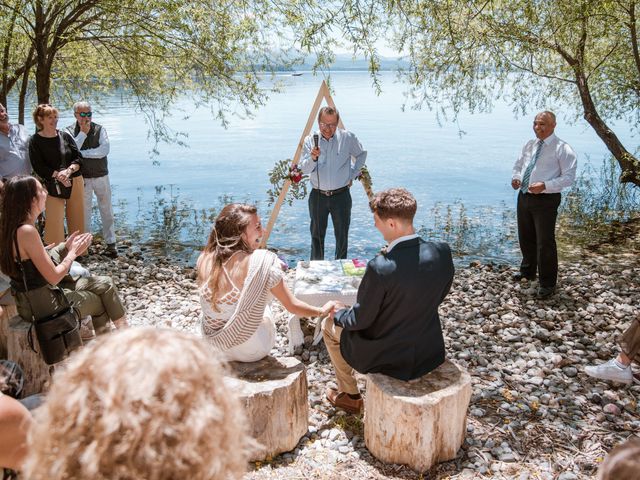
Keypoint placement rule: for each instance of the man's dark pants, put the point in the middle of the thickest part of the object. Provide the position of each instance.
(320, 207)
(536, 233)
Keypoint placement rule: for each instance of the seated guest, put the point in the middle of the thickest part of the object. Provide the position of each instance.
(23, 258)
(142, 403)
(236, 280)
(15, 421)
(394, 327)
(619, 369)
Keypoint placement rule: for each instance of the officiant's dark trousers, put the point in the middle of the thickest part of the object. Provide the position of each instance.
(320, 207)
(536, 233)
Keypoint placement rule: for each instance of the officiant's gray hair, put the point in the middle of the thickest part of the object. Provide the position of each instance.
(329, 111)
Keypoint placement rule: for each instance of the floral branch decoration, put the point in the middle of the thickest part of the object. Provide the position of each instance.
(282, 172)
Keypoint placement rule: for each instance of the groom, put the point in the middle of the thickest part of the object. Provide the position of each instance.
(394, 327)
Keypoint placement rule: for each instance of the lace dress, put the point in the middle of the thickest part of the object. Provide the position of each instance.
(260, 331)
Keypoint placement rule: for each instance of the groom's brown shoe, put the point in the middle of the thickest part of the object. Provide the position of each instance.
(343, 401)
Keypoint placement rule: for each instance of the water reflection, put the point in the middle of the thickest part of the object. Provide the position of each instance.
(169, 225)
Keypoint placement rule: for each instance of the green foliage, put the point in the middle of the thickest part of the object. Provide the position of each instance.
(278, 177)
(596, 201)
(155, 50)
(578, 56)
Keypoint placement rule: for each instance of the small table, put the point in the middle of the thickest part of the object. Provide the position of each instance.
(319, 281)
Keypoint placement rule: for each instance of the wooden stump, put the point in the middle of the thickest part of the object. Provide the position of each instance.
(274, 394)
(8, 312)
(36, 372)
(417, 423)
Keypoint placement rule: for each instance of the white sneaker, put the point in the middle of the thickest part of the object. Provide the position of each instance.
(610, 371)
(86, 328)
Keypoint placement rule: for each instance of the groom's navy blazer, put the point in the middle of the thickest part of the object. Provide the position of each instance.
(394, 327)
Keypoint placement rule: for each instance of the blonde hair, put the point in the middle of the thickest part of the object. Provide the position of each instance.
(43, 110)
(623, 461)
(141, 403)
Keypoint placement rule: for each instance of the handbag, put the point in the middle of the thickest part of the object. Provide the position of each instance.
(58, 334)
(53, 186)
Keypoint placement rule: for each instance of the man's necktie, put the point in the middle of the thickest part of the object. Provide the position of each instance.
(524, 187)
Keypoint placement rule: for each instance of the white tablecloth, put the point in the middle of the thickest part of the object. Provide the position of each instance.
(319, 281)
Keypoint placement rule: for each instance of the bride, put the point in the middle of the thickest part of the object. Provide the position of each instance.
(236, 281)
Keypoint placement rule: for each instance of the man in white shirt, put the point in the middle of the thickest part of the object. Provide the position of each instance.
(14, 147)
(93, 143)
(545, 166)
(332, 166)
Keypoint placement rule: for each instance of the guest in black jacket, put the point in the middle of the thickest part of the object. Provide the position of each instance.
(394, 327)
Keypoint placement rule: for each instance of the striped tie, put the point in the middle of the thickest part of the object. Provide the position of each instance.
(524, 187)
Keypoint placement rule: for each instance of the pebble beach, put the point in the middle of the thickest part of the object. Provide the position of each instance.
(533, 414)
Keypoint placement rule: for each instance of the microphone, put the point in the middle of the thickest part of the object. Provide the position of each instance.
(315, 144)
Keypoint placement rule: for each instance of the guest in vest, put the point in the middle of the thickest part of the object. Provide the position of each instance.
(545, 166)
(93, 143)
(394, 327)
(14, 147)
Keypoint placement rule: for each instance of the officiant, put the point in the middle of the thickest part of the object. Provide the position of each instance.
(332, 160)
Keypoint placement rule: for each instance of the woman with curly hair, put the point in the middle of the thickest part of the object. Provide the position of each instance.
(142, 403)
(236, 281)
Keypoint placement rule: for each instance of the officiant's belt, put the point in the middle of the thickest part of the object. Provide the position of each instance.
(329, 193)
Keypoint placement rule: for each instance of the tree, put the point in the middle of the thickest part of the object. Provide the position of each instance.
(156, 49)
(465, 53)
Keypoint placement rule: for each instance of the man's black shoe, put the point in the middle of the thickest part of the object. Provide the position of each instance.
(111, 250)
(545, 292)
(516, 277)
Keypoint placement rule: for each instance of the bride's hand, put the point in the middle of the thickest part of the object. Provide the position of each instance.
(329, 309)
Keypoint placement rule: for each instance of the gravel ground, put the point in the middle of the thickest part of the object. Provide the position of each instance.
(534, 414)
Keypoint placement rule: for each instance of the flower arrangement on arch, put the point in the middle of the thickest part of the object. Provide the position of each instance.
(282, 172)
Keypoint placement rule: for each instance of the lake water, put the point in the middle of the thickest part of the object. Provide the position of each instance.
(405, 148)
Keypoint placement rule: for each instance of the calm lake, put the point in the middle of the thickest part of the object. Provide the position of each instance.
(467, 173)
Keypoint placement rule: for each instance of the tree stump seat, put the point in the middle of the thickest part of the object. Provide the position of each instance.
(37, 373)
(273, 392)
(7, 313)
(420, 422)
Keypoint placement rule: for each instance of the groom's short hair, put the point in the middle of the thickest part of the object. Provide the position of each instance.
(394, 203)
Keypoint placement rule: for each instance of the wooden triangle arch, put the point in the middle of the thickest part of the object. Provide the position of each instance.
(323, 92)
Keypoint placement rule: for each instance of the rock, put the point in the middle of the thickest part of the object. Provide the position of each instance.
(568, 476)
(612, 409)
(570, 371)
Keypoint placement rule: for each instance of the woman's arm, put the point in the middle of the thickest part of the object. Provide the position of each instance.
(72, 160)
(298, 307)
(31, 245)
(15, 421)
